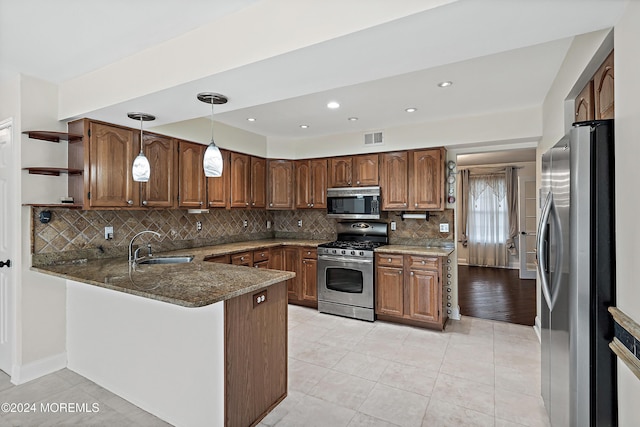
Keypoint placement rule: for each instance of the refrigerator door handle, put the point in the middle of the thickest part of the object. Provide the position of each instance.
(542, 249)
(557, 277)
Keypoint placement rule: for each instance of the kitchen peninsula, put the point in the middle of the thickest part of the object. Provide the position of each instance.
(197, 343)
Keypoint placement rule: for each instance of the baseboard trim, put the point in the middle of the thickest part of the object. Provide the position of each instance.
(21, 374)
(536, 328)
(455, 313)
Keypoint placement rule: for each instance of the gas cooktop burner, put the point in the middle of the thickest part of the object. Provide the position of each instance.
(346, 244)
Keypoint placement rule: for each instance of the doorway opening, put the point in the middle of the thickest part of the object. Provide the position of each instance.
(496, 259)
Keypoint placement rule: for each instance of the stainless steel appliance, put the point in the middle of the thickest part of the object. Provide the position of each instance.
(345, 270)
(353, 203)
(576, 263)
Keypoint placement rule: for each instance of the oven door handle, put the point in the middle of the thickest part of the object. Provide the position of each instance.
(344, 259)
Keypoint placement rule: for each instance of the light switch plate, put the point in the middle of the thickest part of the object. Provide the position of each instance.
(393, 226)
(444, 228)
(268, 224)
(108, 233)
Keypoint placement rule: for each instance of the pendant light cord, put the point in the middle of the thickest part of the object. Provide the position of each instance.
(141, 121)
(212, 125)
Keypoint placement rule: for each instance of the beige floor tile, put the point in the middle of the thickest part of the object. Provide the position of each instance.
(522, 380)
(468, 394)
(395, 406)
(481, 351)
(521, 408)
(318, 354)
(342, 389)
(364, 420)
(353, 330)
(289, 404)
(362, 365)
(377, 347)
(311, 411)
(304, 376)
(424, 337)
(308, 332)
(388, 332)
(443, 414)
(471, 369)
(420, 356)
(410, 378)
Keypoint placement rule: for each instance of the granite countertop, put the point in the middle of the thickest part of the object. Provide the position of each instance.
(193, 284)
(416, 250)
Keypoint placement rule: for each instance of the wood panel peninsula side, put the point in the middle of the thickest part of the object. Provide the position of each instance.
(196, 344)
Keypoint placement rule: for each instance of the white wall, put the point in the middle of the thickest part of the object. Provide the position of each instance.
(627, 115)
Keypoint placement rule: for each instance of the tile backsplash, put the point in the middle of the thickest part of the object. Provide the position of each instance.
(78, 234)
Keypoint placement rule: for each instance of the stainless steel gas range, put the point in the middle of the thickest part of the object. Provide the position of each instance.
(346, 271)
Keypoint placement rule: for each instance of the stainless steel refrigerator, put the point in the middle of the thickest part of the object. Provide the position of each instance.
(576, 263)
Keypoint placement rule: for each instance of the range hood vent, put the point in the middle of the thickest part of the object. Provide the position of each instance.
(373, 138)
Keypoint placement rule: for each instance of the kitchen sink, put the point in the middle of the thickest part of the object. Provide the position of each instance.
(166, 260)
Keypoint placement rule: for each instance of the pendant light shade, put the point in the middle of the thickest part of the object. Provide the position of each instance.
(212, 161)
(141, 169)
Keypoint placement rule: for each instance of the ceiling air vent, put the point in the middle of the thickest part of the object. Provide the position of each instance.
(373, 138)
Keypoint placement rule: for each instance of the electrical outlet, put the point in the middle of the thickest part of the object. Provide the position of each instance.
(393, 226)
(268, 225)
(245, 223)
(108, 233)
(444, 228)
(199, 225)
(299, 223)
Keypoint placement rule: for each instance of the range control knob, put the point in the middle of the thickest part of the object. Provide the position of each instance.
(361, 253)
(333, 251)
(343, 252)
(353, 252)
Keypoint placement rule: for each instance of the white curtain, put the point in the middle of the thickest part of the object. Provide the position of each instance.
(488, 225)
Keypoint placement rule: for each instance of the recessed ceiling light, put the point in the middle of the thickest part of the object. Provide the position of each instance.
(333, 105)
(304, 126)
(411, 110)
(445, 84)
(352, 119)
(251, 119)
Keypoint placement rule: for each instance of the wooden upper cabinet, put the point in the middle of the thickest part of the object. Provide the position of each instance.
(192, 183)
(111, 153)
(340, 171)
(311, 184)
(603, 85)
(365, 170)
(258, 182)
(584, 109)
(218, 187)
(240, 180)
(161, 189)
(426, 183)
(280, 184)
(354, 171)
(393, 180)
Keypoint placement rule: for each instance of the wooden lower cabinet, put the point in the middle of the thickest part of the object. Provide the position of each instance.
(242, 258)
(255, 354)
(303, 261)
(308, 275)
(222, 259)
(409, 289)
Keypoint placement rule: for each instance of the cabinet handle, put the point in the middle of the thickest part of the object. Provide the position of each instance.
(357, 182)
(129, 202)
(308, 204)
(412, 273)
(241, 258)
(404, 204)
(201, 203)
(389, 260)
(349, 182)
(400, 272)
(308, 253)
(423, 263)
(246, 204)
(270, 204)
(145, 203)
(416, 205)
(253, 204)
(311, 204)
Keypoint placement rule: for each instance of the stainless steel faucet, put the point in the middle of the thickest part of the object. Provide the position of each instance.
(133, 257)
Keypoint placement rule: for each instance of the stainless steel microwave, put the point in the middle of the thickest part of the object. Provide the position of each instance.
(353, 202)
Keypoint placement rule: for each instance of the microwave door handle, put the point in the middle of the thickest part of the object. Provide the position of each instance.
(543, 249)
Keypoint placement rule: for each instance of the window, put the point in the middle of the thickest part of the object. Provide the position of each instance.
(488, 219)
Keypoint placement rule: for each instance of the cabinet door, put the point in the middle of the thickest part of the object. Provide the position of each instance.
(303, 184)
(276, 259)
(423, 295)
(340, 172)
(603, 89)
(280, 184)
(218, 188)
(111, 153)
(243, 258)
(389, 291)
(240, 180)
(584, 104)
(191, 175)
(258, 182)
(426, 184)
(308, 274)
(393, 180)
(365, 170)
(160, 191)
(291, 263)
(318, 183)
(220, 259)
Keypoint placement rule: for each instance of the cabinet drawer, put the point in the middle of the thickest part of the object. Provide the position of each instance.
(261, 255)
(222, 259)
(422, 262)
(390, 260)
(309, 253)
(242, 258)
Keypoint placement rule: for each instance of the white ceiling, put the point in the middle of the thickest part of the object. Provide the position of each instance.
(500, 54)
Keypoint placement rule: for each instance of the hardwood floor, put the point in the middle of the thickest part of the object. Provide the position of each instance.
(496, 294)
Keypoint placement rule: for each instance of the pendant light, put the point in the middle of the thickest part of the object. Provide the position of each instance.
(141, 169)
(212, 161)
